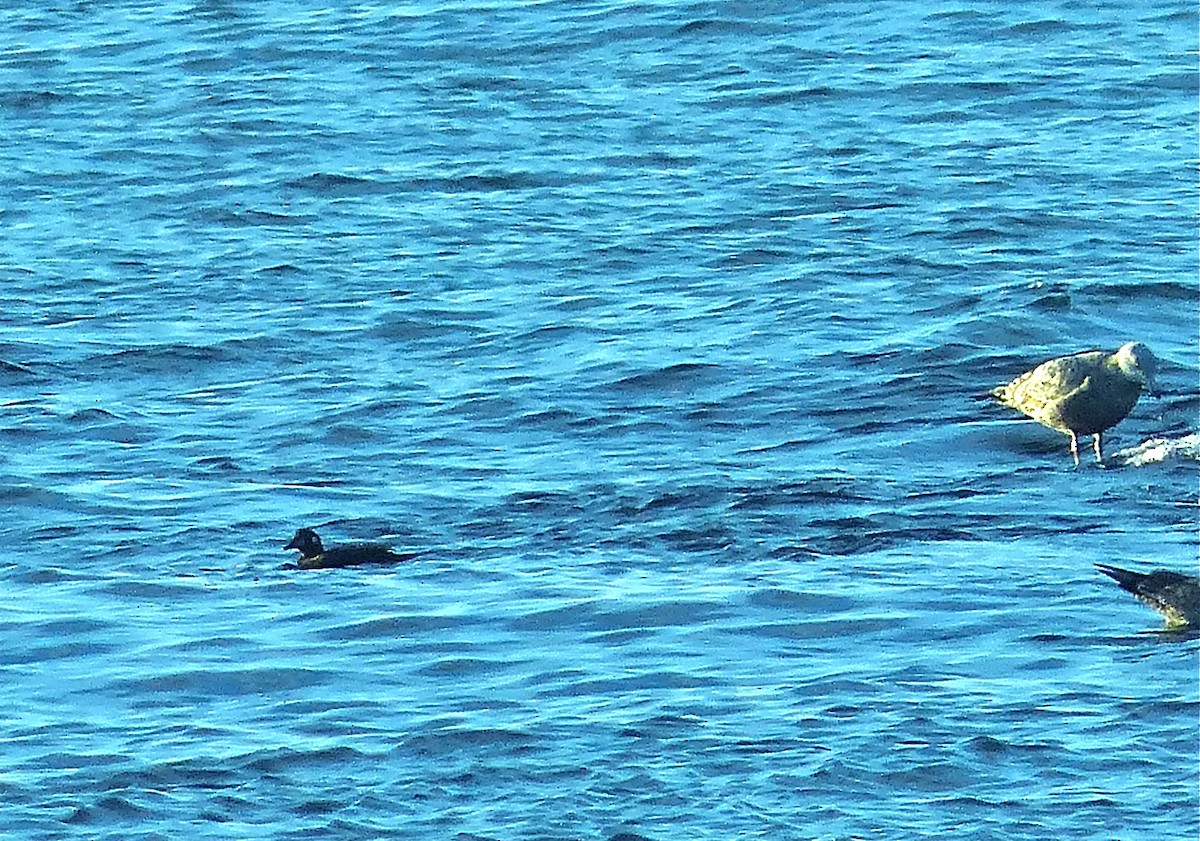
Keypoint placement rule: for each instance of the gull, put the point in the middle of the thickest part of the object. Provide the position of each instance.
(1173, 594)
(1083, 394)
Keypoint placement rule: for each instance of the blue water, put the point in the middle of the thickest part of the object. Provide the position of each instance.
(660, 329)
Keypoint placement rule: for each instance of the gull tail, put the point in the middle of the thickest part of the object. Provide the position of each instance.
(1175, 595)
(1128, 579)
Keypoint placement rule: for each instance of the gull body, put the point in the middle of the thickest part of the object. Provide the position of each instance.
(1083, 394)
(1175, 595)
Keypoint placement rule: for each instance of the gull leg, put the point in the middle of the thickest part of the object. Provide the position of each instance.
(1074, 447)
(1096, 447)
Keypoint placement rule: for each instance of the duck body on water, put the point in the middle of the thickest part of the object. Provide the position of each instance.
(313, 554)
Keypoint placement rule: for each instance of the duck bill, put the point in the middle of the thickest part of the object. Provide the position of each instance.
(291, 545)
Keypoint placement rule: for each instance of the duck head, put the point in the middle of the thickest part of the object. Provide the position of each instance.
(307, 542)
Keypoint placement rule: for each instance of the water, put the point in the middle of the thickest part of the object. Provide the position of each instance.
(661, 330)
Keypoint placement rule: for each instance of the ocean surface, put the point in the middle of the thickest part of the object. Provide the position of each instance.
(663, 332)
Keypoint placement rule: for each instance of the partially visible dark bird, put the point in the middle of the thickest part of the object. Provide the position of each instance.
(1173, 594)
(1083, 394)
(315, 556)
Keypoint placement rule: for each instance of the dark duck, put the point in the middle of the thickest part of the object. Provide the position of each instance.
(313, 555)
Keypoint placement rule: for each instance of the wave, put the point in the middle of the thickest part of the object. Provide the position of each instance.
(1160, 450)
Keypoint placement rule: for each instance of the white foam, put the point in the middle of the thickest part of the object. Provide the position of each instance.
(1156, 450)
